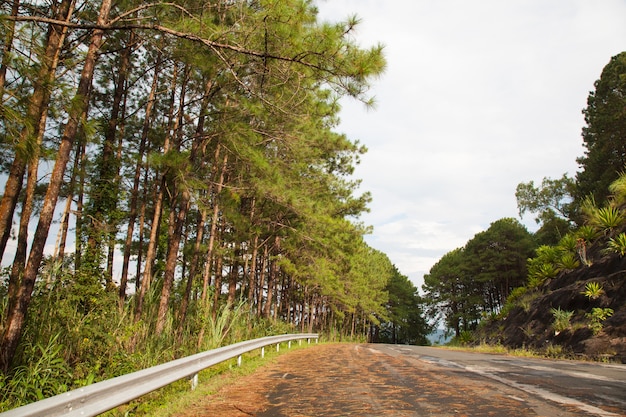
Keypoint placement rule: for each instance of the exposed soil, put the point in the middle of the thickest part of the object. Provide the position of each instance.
(531, 326)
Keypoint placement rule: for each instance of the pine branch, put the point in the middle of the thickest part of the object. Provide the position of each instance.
(298, 59)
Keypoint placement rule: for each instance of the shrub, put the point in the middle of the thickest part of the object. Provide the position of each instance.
(608, 218)
(567, 262)
(593, 290)
(596, 317)
(561, 319)
(618, 244)
(587, 232)
(568, 243)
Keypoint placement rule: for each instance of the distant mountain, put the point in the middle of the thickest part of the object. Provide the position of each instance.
(439, 337)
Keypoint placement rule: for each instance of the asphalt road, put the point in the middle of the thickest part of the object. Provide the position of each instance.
(584, 388)
(396, 380)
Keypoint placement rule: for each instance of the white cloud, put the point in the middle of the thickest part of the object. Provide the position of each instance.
(477, 97)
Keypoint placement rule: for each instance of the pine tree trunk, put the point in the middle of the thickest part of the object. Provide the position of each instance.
(178, 221)
(271, 282)
(37, 107)
(262, 280)
(158, 208)
(214, 223)
(132, 216)
(218, 286)
(193, 270)
(233, 276)
(8, 46)
(19, 261)
(252, 275)
(17, 316)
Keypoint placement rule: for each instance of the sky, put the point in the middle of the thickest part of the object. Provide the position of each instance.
(477, 97)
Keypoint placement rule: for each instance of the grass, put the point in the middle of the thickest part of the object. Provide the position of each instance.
(169, 400)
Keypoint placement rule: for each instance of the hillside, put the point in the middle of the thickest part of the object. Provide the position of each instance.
(530, 320)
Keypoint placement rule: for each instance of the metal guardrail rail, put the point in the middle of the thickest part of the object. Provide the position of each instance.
(102, 396)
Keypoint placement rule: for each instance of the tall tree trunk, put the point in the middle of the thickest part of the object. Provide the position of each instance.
(8, 46)
(193, 270)
(19, 261)
(65, 219)
(105, 187)
(214, 222)
(178, 221)
(262, 274)
(134, 197)
(252, 275)
(36, 107)
(271, 281)
(218, 286)
(179, 208)
(142, 224)
(198, 151)
(234, 275)
(17, 316)
(158, 208)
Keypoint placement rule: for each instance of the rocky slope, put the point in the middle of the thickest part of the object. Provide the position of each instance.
(530, 322)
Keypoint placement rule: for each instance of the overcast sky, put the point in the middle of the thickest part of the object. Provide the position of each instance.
(477, 97)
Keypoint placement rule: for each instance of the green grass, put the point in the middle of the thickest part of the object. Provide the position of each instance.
(169, 400)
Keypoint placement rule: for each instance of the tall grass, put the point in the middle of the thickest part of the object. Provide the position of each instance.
(76, 335)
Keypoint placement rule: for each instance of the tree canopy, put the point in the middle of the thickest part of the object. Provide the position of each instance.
(193, 146)
(470, 282)
(604, 136)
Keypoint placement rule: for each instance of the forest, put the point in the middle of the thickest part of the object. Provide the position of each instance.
(173, 181)
(579, 244)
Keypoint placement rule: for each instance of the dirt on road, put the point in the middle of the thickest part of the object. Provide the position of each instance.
(355, 380)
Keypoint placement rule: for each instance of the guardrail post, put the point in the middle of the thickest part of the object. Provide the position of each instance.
(194, 381)
(277, 347)
(289, 345)
(263, 352)
(299, 342)
(239, 360)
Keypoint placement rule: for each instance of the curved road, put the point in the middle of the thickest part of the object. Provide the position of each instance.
(397, 380)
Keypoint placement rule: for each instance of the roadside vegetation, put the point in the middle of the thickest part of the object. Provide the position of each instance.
(558, 291)
(173, 181)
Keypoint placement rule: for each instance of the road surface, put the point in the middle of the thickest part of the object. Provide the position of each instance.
(397, 380)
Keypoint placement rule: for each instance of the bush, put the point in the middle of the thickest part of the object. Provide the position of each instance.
(561, 319)
(593, 290)
(618, 244)
(596, 317)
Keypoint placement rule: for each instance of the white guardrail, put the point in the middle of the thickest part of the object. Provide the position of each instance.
(102, 396)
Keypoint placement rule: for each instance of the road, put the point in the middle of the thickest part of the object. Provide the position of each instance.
(397, 380)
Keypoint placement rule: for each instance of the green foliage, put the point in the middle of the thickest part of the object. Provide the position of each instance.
(596, 317)
(587, 232)
(561, 320)
(593, 290)
(568, 243)
(617, 190)
(469, 283)
(604, 133)
(403, 322)
(280, 188)
(567, 262)
(608, 218)
(549, 200)
(45, 374)
(543, 266)
(617, 244)
(516, 294)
